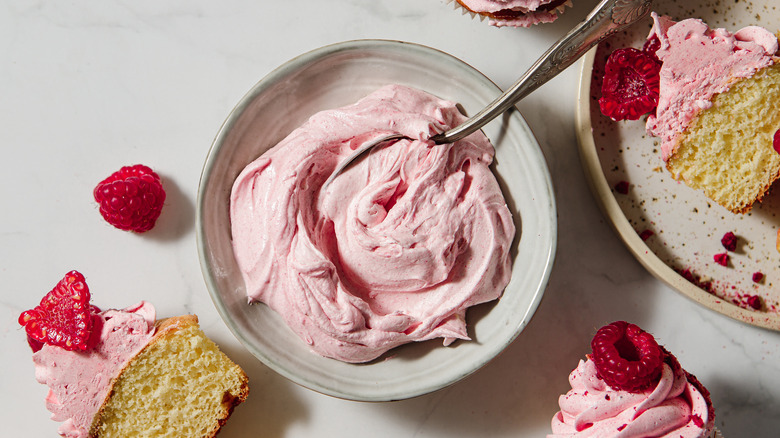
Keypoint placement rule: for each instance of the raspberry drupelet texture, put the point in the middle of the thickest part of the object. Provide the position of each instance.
(631, 84)
(131, 198)
(626, 357)
(64, 316)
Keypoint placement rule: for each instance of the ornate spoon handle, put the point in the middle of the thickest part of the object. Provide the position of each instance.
(609, 17)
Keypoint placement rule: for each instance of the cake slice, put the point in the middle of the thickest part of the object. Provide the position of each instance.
(120, 373)
(718, 110)
(179, 385)
(631, 386)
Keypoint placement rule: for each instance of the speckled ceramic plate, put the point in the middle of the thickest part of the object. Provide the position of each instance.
(673, 230)
(331, 77)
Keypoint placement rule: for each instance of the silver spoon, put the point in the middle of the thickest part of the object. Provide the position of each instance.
(607, 18)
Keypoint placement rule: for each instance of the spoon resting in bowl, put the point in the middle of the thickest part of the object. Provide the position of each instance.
(607, 18)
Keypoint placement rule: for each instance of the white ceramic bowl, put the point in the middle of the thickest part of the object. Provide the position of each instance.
(335, 76)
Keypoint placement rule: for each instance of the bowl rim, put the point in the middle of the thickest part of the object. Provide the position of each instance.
(273, 77)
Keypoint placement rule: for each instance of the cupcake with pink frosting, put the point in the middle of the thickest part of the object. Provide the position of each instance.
(513, 13)
(629, 386)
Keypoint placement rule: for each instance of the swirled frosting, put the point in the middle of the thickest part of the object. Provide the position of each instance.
(698, 63)
(517, 13)
(674, 408)
(395, 249)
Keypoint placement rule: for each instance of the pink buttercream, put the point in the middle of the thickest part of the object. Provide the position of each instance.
(699, 62)
(395, 249)
(79, 382)
(531, 11)
(593, 409)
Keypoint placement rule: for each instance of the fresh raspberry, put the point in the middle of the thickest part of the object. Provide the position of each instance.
(729, 241)
(626, 357)
(651, 47)
(131, 198)
(631, 84)
(721, 259)
(64, 316)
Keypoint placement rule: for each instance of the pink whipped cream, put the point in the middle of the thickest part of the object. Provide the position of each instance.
(674, 408)
(518, 13)
(395, 249)
(699, 62)
(79, 382)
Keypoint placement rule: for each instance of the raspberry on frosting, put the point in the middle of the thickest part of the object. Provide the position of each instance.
(63, 318)
(626, 357)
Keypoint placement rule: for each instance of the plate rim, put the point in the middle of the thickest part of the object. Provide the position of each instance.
(548, 256)
(611, 209)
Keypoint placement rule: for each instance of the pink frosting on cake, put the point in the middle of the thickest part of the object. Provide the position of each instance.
(531, 11)
(699, 62)
(674, 408)
(79, 382)
(395, 249)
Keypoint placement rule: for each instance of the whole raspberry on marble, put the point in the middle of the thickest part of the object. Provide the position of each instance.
(63, 317)
(626, 357)
(631, 84)
(131, 199)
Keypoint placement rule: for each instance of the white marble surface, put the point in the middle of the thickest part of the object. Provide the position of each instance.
(90, 86)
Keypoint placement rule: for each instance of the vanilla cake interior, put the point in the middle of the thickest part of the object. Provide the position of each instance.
(180, 385)
(728, 150)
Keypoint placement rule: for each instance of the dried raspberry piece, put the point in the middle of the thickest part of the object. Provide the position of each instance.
(63, 317)
(757, 277)
(721, 259)
(622, 187)
(131, 198)
(776, 141)
(646, 234)
(631, 84)
(754, 301)
(626, 357)
(729, 241)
